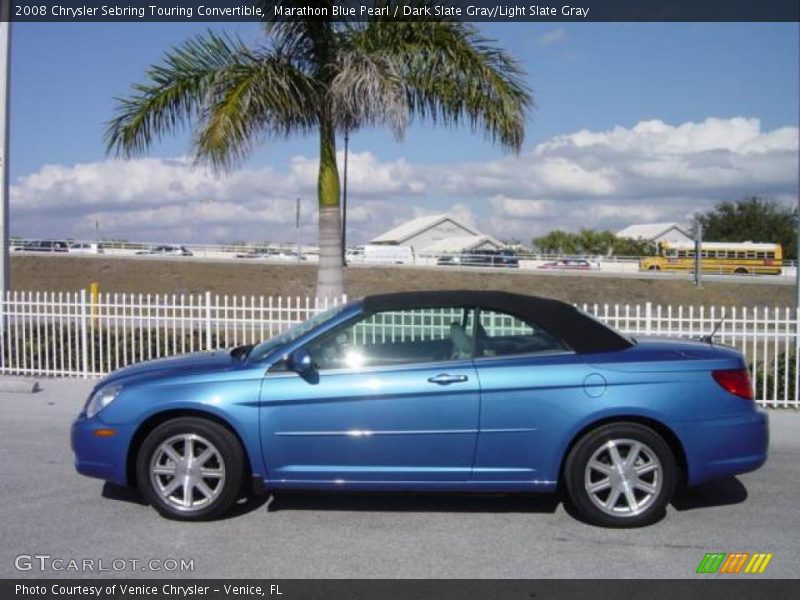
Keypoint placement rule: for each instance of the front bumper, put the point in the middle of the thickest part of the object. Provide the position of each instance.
(726, 446)
(100, 457)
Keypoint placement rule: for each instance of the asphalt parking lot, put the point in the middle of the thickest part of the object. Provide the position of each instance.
(47, 509)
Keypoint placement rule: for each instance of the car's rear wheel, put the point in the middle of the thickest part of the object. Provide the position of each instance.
(190, 469)
(621, 475)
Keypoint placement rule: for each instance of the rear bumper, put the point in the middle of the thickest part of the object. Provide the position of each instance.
(100, 457)
(723, 447)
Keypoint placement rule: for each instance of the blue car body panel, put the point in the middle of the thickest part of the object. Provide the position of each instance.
(211, 383)
(505, 425)
(380, 426)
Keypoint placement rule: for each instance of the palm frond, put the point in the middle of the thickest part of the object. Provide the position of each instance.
(310, 42)
(367, 90)
(172, 95)
(264, 94)
(452, 74)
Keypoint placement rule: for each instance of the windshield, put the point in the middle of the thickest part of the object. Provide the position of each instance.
(295, 331)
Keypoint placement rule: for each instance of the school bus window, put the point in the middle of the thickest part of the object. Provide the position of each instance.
(751, 254)
(771, 255)
(760, 255)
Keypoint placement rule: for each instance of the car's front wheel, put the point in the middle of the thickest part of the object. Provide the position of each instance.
(190, 469)
(621, 475)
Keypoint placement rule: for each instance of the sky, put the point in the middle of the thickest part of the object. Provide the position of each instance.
(634, 123)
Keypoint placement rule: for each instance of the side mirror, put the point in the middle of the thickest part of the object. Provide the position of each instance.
(300, 362)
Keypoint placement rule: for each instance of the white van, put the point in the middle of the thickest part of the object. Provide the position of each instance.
(388, 255)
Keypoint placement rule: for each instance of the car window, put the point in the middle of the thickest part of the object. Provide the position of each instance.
(298, 329)
(396, 338)
(504, 334)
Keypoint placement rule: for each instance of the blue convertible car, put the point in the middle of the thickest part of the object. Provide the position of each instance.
(439, 391)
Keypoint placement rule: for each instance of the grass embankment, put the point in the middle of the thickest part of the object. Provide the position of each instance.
(70, 273)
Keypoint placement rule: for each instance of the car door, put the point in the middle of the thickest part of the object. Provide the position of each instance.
(530, 381)
(394, 399)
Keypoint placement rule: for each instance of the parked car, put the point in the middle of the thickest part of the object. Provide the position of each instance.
(435, 391)
(85, 248)
(272, 254)
(252, 254)
(167, 250)
(481, 258)
(571, 264)
(43, 246)
(354, 254)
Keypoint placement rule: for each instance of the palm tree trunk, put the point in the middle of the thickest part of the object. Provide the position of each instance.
(330, 280)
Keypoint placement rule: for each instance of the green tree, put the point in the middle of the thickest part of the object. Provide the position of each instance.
(633, 247)
(326, 78)
(592, 242)
(752, 219)
(556, 242)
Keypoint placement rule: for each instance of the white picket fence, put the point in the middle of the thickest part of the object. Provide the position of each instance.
(75, 334)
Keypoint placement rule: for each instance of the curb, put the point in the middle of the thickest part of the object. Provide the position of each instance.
(18, 386)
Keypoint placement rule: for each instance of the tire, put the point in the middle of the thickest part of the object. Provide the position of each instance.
(652, 484)
(740, 271)
(654, 268)
(162, 480)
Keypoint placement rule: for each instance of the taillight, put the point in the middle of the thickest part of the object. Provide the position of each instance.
(735, 381)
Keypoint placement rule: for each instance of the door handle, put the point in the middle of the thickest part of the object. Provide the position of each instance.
(447, 379)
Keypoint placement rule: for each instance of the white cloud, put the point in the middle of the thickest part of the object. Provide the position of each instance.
(652, 171)
(521, 208)
(554, 36)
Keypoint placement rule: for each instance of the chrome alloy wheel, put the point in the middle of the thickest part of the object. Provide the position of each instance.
(623, 477)
(187, 472)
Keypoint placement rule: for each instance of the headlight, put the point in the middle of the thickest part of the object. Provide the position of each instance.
(102, 398)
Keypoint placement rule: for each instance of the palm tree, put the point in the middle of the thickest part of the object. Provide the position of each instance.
(323, 77)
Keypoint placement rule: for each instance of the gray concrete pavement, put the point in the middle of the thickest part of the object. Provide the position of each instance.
(46, 508)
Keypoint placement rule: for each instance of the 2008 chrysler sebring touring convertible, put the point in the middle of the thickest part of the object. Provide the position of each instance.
(435, 391)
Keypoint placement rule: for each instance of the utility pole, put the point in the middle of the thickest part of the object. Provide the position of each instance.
(698, 252)
(344, 200)
(5, 72)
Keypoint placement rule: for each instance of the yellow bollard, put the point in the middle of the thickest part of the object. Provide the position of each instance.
(94, 293)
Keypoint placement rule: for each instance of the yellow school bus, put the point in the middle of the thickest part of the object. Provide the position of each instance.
(744, 258)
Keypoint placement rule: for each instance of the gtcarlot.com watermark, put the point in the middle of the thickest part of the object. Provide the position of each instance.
(46, 562)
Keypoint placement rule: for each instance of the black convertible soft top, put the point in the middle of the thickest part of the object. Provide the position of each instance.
(579, 331)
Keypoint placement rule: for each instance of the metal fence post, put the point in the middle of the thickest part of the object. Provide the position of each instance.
(208, 320)
(84, 335)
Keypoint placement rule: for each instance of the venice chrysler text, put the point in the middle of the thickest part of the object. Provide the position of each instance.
(123, 589)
